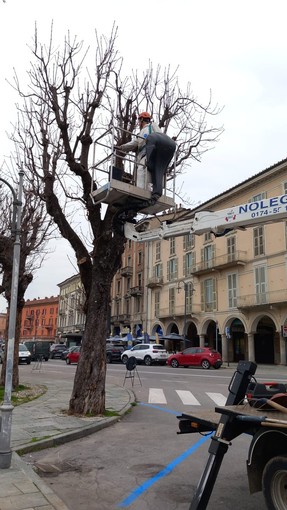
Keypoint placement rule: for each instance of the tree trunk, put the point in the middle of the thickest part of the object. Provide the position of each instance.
(88, 396)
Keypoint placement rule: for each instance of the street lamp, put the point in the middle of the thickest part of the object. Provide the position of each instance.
(6, 408)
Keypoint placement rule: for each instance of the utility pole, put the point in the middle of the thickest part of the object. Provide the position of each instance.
(7, 407)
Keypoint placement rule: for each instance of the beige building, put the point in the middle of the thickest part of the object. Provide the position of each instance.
(128, 303)
(71, 318)
(228, 292)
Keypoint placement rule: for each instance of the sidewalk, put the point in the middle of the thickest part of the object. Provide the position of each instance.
(43, 423)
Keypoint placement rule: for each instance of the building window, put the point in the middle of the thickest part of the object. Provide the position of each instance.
(207, 256)
(259, 196)
(188, 242)
(172, 269)
(188, 263)
(260, 285)
(232, 290)
(208, 295)
(138, 305)
(140, 280)
(207, 237)
(172, 246)
(119, 287)
(171, 301)
(189, 294)
(258, 241)
(140, 257)
(157, 271)
(156, 303)
(51, 311)
(231, 248)
(158, 250)
(285, 187)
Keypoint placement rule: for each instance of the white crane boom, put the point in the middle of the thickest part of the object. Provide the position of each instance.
(268, 210)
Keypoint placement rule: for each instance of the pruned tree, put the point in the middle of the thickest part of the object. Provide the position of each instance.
(64, 109)
(35, 233)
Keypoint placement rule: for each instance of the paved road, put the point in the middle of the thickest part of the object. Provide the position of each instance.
(141, 463)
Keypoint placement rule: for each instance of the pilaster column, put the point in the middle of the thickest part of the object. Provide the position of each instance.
(201, 340)
(224, 343)
(282, 350)
(251, 350)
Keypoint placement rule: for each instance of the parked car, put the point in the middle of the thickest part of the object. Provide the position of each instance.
(114, 352)
(146, 353)
(196, 356)
(56, 350)
(73, 355)
(65, 353)
(24, 354)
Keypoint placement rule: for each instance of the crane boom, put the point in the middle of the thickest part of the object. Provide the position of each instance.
(268, 210)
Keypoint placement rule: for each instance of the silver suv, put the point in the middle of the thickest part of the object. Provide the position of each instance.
(147, 353)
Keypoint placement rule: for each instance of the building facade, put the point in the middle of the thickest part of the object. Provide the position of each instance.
(71, 318)
(226, 292)
(128, 296)
(39, 319)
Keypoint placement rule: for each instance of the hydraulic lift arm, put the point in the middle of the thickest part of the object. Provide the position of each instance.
(267, 210)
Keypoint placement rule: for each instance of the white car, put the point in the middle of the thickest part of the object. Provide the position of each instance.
(24, 355)
(146, 353)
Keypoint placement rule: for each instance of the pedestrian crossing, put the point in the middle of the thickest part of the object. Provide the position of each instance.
(187, 398)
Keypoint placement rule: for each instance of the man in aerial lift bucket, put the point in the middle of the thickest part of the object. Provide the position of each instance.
(154, 152)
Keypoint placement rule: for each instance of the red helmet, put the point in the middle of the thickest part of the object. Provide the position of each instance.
(144, 115)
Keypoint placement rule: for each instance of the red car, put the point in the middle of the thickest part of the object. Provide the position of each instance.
(73, 356)
(195, 356)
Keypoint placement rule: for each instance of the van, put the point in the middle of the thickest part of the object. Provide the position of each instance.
(39, 349)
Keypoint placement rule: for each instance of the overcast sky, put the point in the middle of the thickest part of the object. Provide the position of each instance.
(236, 49)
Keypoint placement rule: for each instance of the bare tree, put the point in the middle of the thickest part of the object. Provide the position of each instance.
(63, 111)
(35, 232)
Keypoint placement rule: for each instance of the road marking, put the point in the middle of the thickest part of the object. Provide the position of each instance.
(218, 398)
(135, 494)
(187, 398)
(156, 396)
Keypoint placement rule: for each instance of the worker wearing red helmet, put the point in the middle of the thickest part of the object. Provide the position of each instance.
(138, 145)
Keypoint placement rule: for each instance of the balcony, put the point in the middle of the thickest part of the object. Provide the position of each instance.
(124, 318)
(238, 258)
(178, 311)
(127, 271)
(264, 300)
(155, 282)
(136, 291)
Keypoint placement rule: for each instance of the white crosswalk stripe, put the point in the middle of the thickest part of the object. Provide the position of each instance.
(157, 396)
(187, 398)
(218, 398)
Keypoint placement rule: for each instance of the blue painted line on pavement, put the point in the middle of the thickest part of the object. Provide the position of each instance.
(171, 411)
(146, 485)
